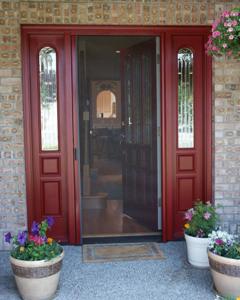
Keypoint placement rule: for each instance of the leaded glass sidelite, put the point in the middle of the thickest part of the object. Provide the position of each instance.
(48, 99)
(185, 99)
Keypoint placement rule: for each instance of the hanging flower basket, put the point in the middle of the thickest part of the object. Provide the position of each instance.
(225, 37)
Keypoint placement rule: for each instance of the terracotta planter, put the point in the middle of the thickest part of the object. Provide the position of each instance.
(37, 280)
(226, 275)
(197, 251)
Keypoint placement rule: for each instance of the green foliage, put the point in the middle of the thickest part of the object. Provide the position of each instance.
(224, 244)
(35, 245)
(234, 251)
(201, 220)
(33, 252)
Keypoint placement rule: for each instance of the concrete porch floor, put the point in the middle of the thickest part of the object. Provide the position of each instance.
(172, 278)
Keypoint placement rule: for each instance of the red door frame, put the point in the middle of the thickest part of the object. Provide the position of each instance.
(70, 32)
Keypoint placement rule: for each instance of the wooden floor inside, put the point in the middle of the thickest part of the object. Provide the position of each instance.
(111, 221)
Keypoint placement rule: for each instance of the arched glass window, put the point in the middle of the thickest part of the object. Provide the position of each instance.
(48, 99)
(106, 104)
(185, 99)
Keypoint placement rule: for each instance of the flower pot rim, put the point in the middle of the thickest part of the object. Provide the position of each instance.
(196, 237)
(225, 259)
(37, 263)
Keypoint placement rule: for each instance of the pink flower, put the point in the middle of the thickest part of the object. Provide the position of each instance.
(230, 29)
(234, 23)
(189, 215)
(231, 37)
(38, 240)
(215, 24)
(224, 45)
(207, 215)
(229, 53)
(216, 34)
(214, 48)
(226, 14)
(225, 24)
(234, 14)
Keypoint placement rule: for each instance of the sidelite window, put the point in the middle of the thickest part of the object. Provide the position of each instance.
(185, 99)
(48, 99)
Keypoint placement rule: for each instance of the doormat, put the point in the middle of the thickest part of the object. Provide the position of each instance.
(121, 252)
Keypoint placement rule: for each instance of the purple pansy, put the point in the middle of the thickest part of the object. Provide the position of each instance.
(35, 228)
(22, 237)
(8, 237)
(50, 221)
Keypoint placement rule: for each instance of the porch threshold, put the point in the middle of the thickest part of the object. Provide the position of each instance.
(153, 237)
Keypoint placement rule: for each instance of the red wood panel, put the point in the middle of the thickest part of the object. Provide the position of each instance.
(185, 163)
(51, 191)
(51, 165)
(185, 192)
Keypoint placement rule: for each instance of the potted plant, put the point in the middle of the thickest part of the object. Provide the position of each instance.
(225, 37)
(224, 260)
(201, 221)
(36, 261)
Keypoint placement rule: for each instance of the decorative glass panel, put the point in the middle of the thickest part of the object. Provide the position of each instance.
(185, 99)
(48, 99)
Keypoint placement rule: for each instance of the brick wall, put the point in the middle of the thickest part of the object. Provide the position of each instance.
(226, 125)
(227, 141)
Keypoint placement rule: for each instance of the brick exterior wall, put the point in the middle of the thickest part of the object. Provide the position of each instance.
(226, 99)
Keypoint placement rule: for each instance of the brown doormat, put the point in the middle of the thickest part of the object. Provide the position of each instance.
(121, 252)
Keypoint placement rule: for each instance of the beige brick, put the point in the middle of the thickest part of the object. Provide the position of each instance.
(10, 81)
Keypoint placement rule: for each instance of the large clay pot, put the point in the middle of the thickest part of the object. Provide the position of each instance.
(226, 275)
(197, 251)
(37, 280)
